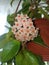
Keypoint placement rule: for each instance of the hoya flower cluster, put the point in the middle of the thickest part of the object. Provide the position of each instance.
(23, 28)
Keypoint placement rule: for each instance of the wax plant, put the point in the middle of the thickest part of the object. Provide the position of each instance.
(26, 25)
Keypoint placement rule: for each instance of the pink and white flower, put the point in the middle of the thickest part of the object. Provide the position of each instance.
(24, 30)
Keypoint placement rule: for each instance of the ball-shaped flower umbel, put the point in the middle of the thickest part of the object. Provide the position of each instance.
(23, 28)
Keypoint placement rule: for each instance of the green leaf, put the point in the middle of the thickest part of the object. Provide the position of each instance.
(11, 2)
(27, 58)
(25, 3)
(38, 40)
(40, 60)
(3, 40)
(47, 8)
(35, 59)
(10, 50)
(24, 10)
(10, 19)
(2, 36)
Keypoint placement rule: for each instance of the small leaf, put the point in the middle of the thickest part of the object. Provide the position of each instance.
(10, 19)
(38, 40)
(10, 50)
(24, 10)
(12, 2)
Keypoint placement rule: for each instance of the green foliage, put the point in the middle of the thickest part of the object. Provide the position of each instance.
(11, 2)
(11, 18)
(24, 10)
(25, 3)
(3, 40)
(44, 13)
(38, 40)
(47, 8)
(10, 50)
(33, 13)
(40, 60)
(27, 58)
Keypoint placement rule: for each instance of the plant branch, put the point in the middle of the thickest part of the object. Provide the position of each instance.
(18, 6)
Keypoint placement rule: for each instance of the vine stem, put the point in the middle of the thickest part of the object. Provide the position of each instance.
(18, 6)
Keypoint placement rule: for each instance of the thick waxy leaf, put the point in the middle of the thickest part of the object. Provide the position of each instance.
(35, 59)
(10, 19)
(43, 25)
(3, 40)
(27, 58)
(10, 50)
(38, 49)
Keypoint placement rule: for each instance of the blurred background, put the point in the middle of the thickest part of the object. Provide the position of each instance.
(5, 9)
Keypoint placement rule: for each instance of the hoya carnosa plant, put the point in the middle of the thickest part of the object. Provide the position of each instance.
(23, 28)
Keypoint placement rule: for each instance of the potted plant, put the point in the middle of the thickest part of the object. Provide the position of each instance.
(28, 38)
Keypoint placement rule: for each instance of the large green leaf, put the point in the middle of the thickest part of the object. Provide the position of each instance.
(3, 40)
(27, 58)
(34, 59)
(10, 50)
